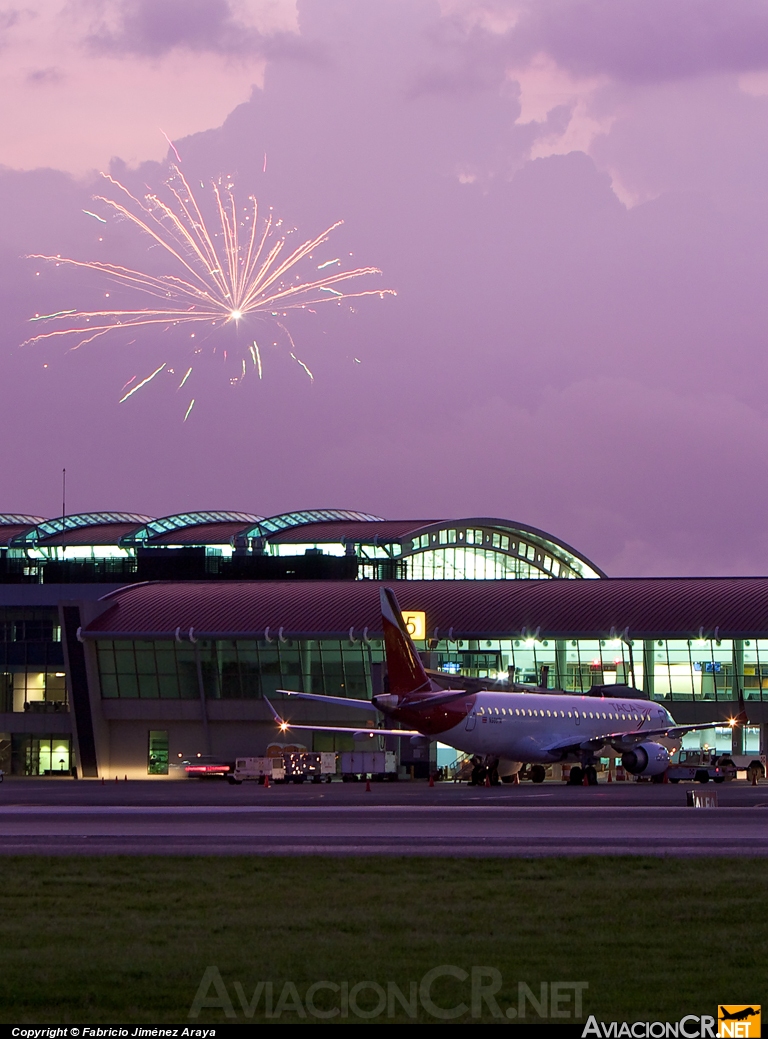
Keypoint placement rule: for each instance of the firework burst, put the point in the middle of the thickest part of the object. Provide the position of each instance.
(239, 266)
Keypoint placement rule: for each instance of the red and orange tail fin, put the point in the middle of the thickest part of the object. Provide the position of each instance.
(404, 667)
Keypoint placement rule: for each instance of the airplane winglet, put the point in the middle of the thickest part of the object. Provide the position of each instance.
(742, 717)
(280, 721)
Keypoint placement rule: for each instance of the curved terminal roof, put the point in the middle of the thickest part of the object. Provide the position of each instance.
(551, 557)
(525, 542)
(287, 520)
(84, 528)
(191, 528)
(453, 543)
(13, 519)
(634, 608)
(369, 532)
(12, 524)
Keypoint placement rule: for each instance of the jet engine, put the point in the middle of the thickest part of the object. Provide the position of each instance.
(646, 759)
(507, 769)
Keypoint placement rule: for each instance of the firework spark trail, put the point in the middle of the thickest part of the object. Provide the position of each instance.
(256, 355)
(48, 317)
(224, 272)
(143, 382)
(299, 361)
(171, 144)
(191, 405)
(189, 372)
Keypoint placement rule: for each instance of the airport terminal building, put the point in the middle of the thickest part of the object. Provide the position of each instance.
(131, 644)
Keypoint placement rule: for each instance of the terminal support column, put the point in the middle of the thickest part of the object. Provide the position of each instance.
(737, 685)
(649, 673)
(203, 704)
(561, 663)
(305, 658)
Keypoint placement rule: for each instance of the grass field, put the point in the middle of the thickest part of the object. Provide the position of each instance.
(129, 939)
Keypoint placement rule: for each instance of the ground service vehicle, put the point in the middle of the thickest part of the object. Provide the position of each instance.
(378, 764)
(700, 766)
(207, 767)
(257, 768)
(286, 768)
(314, 767)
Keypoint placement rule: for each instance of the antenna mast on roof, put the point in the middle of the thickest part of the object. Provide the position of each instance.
(63, 493)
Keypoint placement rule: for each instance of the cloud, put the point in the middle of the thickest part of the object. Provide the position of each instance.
(153, 28)
(10, 17)
(41, 77)
(638, 41)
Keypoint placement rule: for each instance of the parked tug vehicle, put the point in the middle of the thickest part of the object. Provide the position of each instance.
(700, 766)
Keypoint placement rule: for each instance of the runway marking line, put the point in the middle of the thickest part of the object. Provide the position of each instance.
(11, 810)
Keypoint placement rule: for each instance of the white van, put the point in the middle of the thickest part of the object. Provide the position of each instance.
(257, 768)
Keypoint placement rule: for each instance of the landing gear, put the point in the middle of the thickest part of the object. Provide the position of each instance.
(580, 773)
(538, 773)
(485, 772)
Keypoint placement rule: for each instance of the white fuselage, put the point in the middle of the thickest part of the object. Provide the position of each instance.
(525, 726)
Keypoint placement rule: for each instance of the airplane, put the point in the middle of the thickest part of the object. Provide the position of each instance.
(534, 728)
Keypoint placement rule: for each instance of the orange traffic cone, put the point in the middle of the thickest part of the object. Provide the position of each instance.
(102, 780)
(126, 779)
(610, 776)
(431, 779)
(117, 780)
(266, 782)
(367, 786)
(585, 780)
(754, 777)
(487, 780)
(517, 779)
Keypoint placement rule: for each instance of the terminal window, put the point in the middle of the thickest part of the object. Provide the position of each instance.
(157, 753)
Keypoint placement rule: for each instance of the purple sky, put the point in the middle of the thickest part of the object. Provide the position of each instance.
(569, 196)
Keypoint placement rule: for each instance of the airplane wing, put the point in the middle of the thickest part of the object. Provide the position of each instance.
(358, 733)
(437, 700)
(632, 736)
(339, 701)
(416, 705)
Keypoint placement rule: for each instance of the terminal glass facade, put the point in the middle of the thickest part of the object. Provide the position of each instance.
(667, 669)
(480, 553)
(235, 669)
(32, 677)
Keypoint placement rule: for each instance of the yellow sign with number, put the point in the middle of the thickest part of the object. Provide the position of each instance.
(415, 623)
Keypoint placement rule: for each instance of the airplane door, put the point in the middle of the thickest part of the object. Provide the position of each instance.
(471, 717)
(578, 717)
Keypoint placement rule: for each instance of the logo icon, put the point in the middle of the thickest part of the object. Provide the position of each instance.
(738, 1021)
